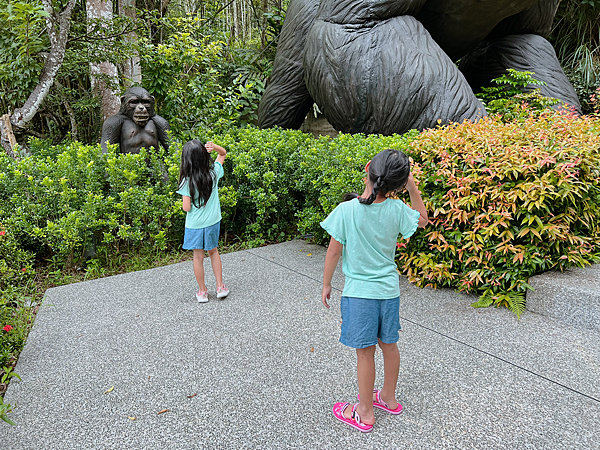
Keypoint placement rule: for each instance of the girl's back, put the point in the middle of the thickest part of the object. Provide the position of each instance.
(369, 234)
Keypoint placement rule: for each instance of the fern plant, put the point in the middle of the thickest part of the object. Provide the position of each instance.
(513, 301)
(509, 84)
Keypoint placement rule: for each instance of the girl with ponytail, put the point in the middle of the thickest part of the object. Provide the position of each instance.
(364, 230)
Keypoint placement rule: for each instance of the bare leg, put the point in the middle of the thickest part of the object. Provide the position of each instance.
(199, 269)
(365, 369)
(215, 261)
(391, 367)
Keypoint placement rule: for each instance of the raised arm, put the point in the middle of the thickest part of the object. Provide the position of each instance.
(210, 146)
(416, 201)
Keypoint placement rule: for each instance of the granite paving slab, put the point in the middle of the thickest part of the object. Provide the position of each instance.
(262, 368)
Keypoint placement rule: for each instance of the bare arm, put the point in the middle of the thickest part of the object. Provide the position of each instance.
(416, 201)
(331, 260)
(210, 146)
(187, 203)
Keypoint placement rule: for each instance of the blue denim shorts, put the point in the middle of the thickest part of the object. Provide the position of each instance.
(365, 320)
(202, 238)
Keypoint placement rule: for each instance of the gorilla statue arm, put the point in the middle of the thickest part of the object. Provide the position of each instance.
(388, 66)
(111, 130)
(369, 66)
(162, 128)
(286, 100)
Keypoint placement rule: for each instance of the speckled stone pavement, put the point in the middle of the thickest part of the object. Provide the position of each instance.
(262, 368)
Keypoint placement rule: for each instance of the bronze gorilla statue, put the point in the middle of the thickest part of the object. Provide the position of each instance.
(388, 66)
(136, 125)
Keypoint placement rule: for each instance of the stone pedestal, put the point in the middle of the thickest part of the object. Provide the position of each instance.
(318, 126)
(572, 296)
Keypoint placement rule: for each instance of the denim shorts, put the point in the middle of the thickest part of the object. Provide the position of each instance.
(202, 238)
(365, 320)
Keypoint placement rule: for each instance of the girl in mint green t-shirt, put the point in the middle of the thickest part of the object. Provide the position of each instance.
(199, 186)
(364, 230)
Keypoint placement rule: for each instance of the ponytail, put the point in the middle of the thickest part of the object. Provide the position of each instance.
(377, 187)
(389, 171)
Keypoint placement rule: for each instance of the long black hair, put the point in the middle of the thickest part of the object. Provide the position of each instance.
(197, 167)
(388, 171)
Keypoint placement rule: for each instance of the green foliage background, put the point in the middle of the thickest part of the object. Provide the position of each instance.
(508, 199)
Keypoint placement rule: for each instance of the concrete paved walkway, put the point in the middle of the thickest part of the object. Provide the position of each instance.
(262, 369)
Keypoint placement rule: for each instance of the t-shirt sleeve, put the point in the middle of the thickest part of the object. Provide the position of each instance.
(335, 224)
(219, 170)
(184, 189)
(409, 220)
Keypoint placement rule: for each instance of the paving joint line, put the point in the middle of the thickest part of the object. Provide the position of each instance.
(446, 336)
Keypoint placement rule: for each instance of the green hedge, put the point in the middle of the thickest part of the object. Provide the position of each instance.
(62, 199)
(506, 200)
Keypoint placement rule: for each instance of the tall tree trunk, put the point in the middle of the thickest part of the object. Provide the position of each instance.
(57, 26)
(234, 26)
(263, 22)
(132, 72)
(7, 137)
(109, 102)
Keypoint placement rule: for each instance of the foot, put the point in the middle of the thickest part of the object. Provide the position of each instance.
(222, 291)
(367, 419)
(381, 403)
(342, 409)
(202, 296)
(391, 402)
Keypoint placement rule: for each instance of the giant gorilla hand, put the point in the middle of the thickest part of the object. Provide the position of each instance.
(387, 66)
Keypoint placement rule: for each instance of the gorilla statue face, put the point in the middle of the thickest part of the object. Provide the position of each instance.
(138, 105)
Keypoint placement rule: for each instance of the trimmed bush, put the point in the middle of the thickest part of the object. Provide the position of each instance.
(62, 200)
(16, 264)
(507, 201)
(329, 168)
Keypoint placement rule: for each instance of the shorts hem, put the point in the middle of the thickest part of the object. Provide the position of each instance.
(199, 248)
(356, 346)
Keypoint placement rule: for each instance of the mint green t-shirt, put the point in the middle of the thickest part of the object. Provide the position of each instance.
(369, 234)
(208, 214)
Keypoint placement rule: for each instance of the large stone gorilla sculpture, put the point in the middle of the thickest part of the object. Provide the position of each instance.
(388, 66)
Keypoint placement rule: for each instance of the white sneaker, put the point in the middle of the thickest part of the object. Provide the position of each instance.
(222, 292)
(202, 296)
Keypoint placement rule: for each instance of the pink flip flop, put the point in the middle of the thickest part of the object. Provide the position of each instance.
(378, 403)
(354, 421)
